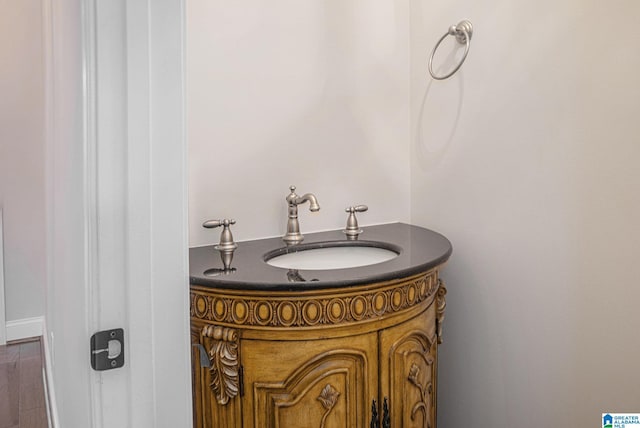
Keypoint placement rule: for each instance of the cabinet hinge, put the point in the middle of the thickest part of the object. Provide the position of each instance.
(241, 380)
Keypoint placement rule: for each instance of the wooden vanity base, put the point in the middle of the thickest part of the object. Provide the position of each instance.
(318, 358)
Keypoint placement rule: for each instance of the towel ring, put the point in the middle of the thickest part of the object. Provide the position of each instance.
(463, 32)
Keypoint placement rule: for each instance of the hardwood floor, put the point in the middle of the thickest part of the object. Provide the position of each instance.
(22, 402)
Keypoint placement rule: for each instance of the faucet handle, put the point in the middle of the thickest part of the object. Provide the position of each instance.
(210, 224)
(291, 196)
(356, 209)
(352, 231)
(226, 245)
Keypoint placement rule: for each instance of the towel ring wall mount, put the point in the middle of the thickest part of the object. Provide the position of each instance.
(462, 32)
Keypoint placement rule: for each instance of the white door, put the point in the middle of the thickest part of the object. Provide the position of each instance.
(117, 211)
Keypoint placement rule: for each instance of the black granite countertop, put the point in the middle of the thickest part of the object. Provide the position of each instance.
(419, 250)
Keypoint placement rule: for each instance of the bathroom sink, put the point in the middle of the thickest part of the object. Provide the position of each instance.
(332, 255)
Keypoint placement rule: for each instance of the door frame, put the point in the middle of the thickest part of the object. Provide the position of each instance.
(117, 210)
(3, 318)
(153, 229)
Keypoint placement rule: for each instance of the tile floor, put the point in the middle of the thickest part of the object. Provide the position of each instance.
(22, 402)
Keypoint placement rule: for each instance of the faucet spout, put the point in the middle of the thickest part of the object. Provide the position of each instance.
(311, 198)
(293, 235)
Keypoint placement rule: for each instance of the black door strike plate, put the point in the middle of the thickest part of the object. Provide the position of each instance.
(107, 349)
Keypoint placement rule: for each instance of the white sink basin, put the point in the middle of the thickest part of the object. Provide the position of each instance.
(339, 257)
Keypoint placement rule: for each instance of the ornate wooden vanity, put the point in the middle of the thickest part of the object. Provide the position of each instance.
(340, 349)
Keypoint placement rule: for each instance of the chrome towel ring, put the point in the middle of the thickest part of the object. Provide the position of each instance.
(463, 32)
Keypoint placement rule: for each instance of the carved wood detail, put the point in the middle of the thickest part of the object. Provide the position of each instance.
(441, 304)
(276, 403)
(418, 355)
(328, 397)
(223, 355)
(311, 310)
(409, 374)
(344, 346)
(425, 392)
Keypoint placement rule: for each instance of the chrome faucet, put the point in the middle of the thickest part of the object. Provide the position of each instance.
(353, 230)
(293, 235)
(226, 245)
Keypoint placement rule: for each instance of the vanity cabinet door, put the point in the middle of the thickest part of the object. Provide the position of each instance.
(324, 383)
(408, 371)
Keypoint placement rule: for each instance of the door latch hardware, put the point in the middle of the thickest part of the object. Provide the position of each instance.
(107, 349)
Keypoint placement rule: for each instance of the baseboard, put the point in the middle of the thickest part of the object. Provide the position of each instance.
(24, 328)
(36, 327)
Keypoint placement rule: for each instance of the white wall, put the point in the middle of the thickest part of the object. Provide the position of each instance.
(22, 194)
(527, 160)
(311, 94)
